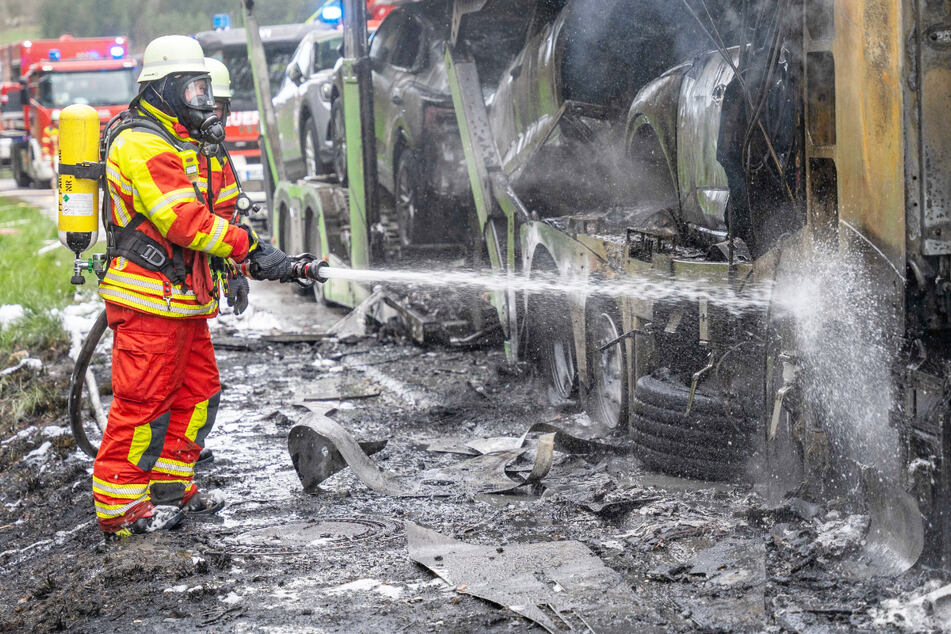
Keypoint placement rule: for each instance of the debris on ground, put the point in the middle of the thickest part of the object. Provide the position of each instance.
(561, 586)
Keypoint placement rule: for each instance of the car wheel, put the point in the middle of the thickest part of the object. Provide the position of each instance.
(19, 174)
(606, 396)
(707, 443)
(409, 198)
(338, 137)
(551, 343)
(309, 148)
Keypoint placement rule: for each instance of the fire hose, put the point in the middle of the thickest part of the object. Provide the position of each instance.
(305, 271)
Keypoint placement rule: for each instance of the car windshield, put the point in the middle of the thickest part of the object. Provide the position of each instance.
(278, 55)
(94, 88)
(326, 53)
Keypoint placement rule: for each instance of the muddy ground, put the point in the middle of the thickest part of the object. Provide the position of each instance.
(697, 555)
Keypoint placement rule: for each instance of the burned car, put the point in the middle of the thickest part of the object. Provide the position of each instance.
(302, 105)
(419, 151)
(558, 111)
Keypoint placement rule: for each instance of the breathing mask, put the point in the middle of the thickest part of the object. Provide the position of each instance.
(190, 99)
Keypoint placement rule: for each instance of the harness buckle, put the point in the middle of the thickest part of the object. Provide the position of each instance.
(154, 256)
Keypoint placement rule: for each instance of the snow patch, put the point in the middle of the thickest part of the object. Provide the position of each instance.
(231, 598)
(78, 320)
(38, 454)
(10, 313)
(23, 433)
(253, 321)
(176, 589)
(55, 431)
(33, 365)
(367, 585)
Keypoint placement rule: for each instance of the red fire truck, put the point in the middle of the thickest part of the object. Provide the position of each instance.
(54, 74)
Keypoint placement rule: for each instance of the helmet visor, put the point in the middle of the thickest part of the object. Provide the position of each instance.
(196, 93)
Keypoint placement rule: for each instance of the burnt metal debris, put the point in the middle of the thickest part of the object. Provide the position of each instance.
(562, 586)
(320, 447)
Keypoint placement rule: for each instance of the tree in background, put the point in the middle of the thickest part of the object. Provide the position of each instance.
(147, 19)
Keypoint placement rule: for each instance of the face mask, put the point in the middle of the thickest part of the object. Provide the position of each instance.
(192, 102)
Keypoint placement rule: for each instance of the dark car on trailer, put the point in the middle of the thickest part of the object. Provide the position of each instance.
(419, 151)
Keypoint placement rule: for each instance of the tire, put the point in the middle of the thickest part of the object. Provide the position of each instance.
(551, 343)
(707, 443)
(310, 148)
(674, 396)
(282, 236)
(606, 399)
(338, 137)
(20, 177)
(311, 245)
(409, 199)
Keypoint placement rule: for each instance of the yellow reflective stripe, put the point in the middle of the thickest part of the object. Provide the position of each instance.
(118, 490)
(141, 438)
(211, 244)
(132, 281)
(107, 511)
(155, 306)
(231, 191)
(122, 214)
(170, 199)
(173, 467)
(198, 419)
(187, 483)
(120, 181)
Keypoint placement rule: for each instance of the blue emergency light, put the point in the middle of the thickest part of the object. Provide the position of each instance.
(55, 54)
(221, 21)
(117, 51)
(331, 14)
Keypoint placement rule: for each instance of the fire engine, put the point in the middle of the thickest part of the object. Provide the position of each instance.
(53, 74)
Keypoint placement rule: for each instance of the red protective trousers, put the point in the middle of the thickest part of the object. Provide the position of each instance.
(166, 392)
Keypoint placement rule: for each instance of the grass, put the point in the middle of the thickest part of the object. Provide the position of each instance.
(39, 283)
(36, 282)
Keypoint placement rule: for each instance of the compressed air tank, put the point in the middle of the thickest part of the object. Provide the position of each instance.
(78, 183)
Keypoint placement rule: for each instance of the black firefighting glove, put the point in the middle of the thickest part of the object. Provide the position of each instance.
(267, 262)
(238, 293)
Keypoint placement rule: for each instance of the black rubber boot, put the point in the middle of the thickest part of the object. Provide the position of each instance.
(163, 518)
(205, 458)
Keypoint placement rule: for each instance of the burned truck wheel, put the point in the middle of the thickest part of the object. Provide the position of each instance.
(606, 396)
(707, 443)
(409, 198)
(551, 343)
(338, 137)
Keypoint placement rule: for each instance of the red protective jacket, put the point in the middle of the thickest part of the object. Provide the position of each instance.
(148, 175)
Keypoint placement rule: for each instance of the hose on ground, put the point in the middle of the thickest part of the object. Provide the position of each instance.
(74, 404)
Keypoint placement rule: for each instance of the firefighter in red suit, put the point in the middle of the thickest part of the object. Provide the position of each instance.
(160, 291)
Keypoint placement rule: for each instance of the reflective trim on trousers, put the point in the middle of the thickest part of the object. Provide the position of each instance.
(108, 511)
(128, 491)
(174, 467)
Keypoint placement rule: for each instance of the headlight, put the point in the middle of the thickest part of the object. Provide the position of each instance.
(326, 91)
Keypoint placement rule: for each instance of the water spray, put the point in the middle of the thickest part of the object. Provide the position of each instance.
(653, 287)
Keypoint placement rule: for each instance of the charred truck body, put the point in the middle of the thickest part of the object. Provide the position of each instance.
(768, 185)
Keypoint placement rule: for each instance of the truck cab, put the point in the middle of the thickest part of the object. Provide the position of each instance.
(48, 87)
(242, 128)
